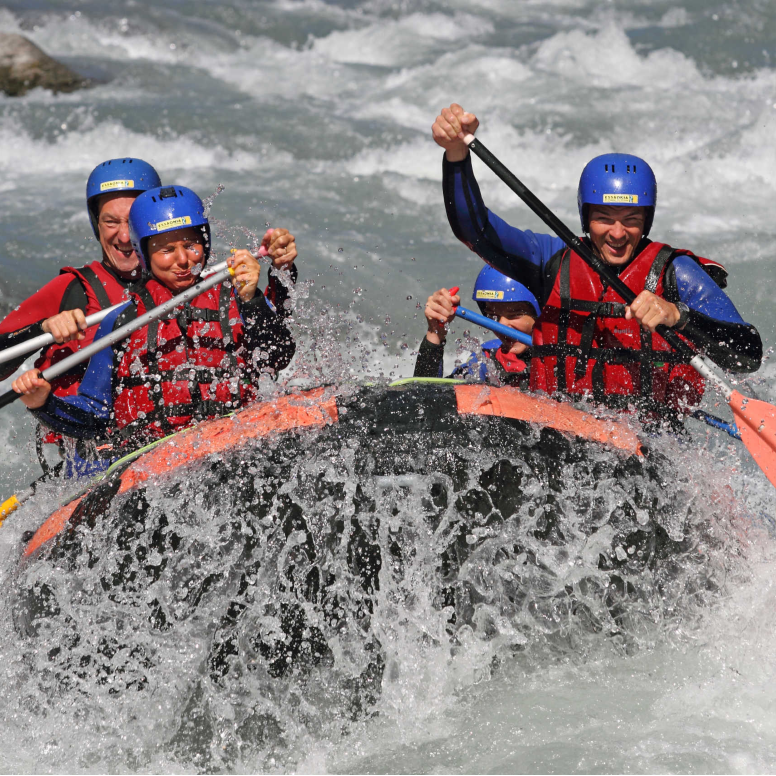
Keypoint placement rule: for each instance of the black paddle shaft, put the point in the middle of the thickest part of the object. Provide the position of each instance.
(573, 242)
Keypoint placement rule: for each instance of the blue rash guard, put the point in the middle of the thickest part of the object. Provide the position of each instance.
(88, 415)
(714, 323)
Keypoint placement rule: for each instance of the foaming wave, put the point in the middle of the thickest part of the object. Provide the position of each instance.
(404, 41)
(608, 59)
(111, 39)
(22, 155)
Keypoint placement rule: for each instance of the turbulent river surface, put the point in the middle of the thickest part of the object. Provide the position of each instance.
(349, 601)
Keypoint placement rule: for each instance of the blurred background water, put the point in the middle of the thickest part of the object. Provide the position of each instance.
(315, 116)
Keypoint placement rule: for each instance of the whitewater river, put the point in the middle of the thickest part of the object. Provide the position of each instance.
(315, 116)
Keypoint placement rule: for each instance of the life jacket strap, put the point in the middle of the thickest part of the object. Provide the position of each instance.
(96, 285)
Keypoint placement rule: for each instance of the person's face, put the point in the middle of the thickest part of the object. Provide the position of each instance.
(173, 256)
(113, 231)
(616, 231)
(518, 315)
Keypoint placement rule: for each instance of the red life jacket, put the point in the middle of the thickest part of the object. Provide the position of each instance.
(512, 364)
(584, 346)
(102, 291)
(178, 370)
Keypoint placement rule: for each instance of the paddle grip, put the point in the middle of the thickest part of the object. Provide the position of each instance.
(568, 237)
(497, 328)
(8, 398)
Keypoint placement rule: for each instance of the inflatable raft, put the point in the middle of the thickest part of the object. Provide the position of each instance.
(402, 408)
(316, 533)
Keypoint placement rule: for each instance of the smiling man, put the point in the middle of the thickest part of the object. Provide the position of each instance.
(587, 342)
(60, 308)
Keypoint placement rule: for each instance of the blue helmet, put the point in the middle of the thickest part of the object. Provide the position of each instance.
(117, 175)
(493, 286)
(165, 209)
(617, 179)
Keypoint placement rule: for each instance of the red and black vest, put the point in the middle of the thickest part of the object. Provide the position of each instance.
(102, 291)
(584, 346)
(180, 369)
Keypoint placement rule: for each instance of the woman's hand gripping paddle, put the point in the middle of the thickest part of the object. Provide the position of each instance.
(756, 420)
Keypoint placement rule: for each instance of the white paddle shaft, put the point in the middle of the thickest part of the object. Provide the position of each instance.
(41, 341)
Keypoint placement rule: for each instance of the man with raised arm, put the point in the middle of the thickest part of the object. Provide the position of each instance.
(587, 342)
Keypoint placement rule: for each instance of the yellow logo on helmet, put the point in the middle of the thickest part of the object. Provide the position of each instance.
(621, 199)
(490, 295)
(114, 185)
(173, 223)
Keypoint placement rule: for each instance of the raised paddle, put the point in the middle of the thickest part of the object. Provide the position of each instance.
(41, 341)
(755, 419)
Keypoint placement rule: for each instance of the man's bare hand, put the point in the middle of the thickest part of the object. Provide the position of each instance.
(246, 273)
(650, 311)
(449, 129)
(66, 326)
(440, 310)
(280, 246)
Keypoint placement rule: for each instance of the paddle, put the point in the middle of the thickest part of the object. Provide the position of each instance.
(124, 331)
(507, 331)
(489, 323)
(755, 419)
(42, 340)
(494, 326)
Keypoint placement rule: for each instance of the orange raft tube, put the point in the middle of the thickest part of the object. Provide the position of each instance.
(321, 407)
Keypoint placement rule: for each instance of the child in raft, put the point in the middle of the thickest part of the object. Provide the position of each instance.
(501, 361)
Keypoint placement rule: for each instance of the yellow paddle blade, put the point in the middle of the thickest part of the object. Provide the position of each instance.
(8, 506)
(756, 420)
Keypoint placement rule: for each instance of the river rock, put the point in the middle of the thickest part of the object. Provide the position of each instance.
(23, 66)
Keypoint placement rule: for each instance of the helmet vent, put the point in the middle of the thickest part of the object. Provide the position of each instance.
(167, 192)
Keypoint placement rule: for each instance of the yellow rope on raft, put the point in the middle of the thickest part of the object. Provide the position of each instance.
(8, 506)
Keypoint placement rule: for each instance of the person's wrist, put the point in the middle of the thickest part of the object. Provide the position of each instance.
(457, 153)
(684, 314)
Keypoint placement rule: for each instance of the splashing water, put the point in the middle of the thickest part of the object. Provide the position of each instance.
(292, 591)
(432, 624)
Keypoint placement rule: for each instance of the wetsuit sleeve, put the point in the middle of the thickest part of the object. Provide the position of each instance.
(714, 325)
(429, 360)
(87, 415)
(520, 254)
(25, 322)
(266, 333)
(277, 294)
